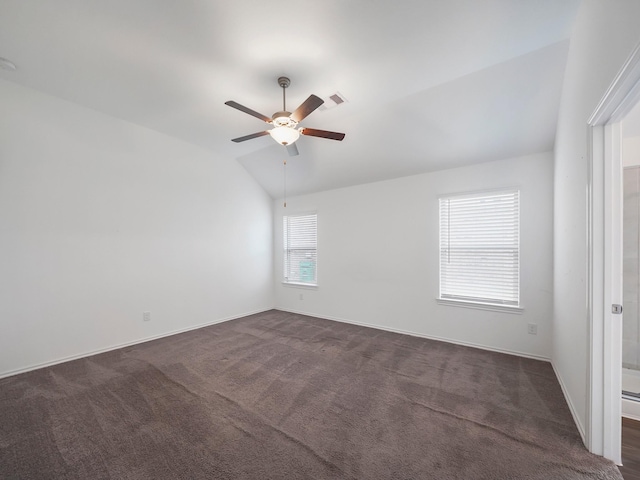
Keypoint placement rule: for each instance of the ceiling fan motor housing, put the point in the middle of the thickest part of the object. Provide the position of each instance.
(282, 119)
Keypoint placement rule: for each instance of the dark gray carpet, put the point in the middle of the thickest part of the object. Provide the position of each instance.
(284, 396)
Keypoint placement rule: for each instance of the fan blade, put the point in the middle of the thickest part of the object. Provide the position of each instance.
(244, 109)
(322, 133)
(308, 106)
(292, 149)
(249, 137)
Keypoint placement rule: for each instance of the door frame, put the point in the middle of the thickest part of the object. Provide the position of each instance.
(604, 260)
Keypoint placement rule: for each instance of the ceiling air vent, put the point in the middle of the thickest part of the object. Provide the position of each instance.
(332, 101)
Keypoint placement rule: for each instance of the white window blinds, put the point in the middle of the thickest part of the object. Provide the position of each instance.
(300, 249)
(480, 248)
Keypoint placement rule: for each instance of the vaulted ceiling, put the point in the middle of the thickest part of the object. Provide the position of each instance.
(429, 84)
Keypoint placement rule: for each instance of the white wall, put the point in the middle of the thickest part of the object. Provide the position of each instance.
(101, 220)
(378, 256)
(604, 34)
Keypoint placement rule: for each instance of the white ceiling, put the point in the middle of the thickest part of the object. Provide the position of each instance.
(430, 84)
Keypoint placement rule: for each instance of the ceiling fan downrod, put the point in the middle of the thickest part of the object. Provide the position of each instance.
(284, 82)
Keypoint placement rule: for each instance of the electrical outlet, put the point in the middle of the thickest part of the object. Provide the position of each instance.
(532, 328)
(146, 316)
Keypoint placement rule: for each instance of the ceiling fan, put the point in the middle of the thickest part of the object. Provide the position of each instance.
(285, 124)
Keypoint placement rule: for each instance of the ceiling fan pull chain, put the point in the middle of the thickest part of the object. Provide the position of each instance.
(284, 172)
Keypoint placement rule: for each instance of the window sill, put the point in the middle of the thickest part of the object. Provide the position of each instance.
(481, 306)
(309, 286)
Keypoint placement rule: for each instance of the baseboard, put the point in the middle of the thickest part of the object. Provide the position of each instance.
(422, 335)
(631, 409)
(572, 408)
(123, 345)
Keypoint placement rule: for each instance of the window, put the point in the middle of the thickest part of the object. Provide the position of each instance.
(480, 248)
(300, 249)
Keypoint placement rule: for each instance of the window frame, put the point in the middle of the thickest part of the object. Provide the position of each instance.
(285, 249)
(479, 302)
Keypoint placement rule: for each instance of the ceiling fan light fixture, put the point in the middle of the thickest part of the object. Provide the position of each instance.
(284, 135)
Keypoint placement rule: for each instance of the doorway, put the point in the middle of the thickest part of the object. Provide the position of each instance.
(605, 259)
(630, 134)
